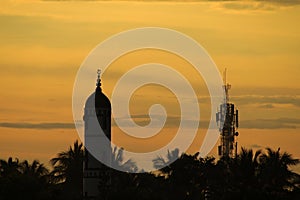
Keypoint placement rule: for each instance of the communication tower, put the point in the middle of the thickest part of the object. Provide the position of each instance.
(228, 120)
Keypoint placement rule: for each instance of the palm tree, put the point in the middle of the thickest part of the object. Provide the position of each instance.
(9, 167)
(164, 165)
(112, 182)
(248, 163)
(35, 169)
(244, 174)
(68, 170)
(117, 161)
(274, 170)
(182, 175)
(23, 180)
(35, 180)
(9, 175)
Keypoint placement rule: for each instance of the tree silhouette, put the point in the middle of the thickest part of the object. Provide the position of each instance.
(35, 169)
(114, 184)
(274, 172)
(117, 161)
(9, 175)
(68, 170)
(250, 175)
(243, 174)
(23, 180)
(183, 177)
(9, 167)
(164, 165)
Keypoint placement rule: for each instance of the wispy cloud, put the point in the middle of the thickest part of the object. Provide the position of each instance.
(240, 6)
(174, 121)
(268, 106)
(279, 123)
(281, 2)
(264, 101)
(256, 146)
(171, 121)
(267, 101)
(244, 6)
(54, 125)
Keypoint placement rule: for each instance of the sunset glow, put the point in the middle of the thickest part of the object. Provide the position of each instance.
(43, 44)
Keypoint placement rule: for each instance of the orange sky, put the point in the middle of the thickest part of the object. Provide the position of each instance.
(43, 44)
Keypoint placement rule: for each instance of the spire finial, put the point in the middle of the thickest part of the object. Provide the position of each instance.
(98, 84)
(226, 86)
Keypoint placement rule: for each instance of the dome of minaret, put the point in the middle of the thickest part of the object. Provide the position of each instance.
(97, 99)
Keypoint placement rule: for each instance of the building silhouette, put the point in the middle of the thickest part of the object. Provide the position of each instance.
(97, 112)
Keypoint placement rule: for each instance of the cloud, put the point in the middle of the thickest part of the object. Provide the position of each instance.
(174, 121)
(256, 146)
(247, 6)
(284, 2)
(255, 5)
(281, 2)
(263, 101)
(54, 125)
(267, 101)
(268, 106)
(279, 123)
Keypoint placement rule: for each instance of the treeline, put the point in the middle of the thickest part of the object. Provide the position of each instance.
(33, 181)
(251, 175)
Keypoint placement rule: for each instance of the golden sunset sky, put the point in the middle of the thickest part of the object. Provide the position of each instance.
(43, 44)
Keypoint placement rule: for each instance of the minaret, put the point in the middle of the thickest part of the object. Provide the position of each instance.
(227, 118)
(97, 112)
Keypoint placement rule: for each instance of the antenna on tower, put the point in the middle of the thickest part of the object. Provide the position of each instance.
(224, 76)
(98, 84)
(226, 86)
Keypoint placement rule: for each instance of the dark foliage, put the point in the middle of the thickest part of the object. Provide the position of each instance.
(251, 175)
